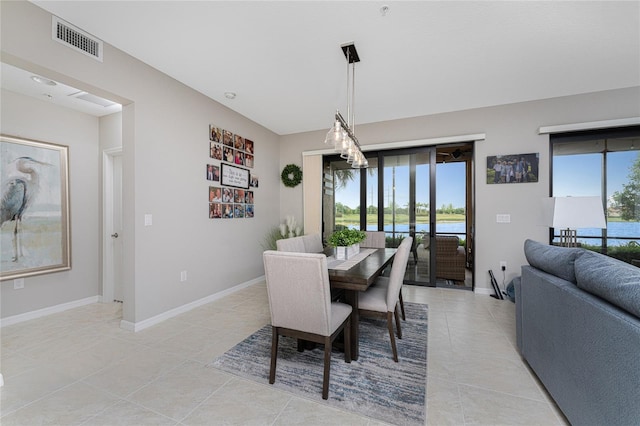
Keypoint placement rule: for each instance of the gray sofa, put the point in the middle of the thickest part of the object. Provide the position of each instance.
(578, 328)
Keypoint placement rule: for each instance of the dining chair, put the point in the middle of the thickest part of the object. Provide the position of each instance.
(377, 239)
(301, 306)
(312, 243)
(295, 244)
(382, 301)
(374, 239)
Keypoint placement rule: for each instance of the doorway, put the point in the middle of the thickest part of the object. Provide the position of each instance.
(425, 193)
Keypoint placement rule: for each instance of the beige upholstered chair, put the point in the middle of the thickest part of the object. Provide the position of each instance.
(295, 244)
(375, 239)
(301, 307)
(312, 243)
(378, 239)
(382, 301)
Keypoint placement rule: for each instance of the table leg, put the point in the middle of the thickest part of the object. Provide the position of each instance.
(351, 297)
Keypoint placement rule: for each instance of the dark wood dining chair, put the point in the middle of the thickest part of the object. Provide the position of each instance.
(382, 301)
(301, 306)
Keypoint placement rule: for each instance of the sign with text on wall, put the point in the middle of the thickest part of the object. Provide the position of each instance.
(235, 176)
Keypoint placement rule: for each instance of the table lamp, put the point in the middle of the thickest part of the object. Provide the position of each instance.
(571, 213)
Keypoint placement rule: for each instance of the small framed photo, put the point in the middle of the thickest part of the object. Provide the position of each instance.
(227, 154)
(215, 134)
(248, 146)
(515, 168)
(249, 211)
(239, 142)
(227, 138)
(215, 211)
(238, 210)
(254, 181)
(215, 194)
(248, 161)
(215, 151)
(248, 197)
(239, 158)
(227, 211)
(238, 195)
(227, 195)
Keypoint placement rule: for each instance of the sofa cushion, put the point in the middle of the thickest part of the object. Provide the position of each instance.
(558, 261)
(611, 279)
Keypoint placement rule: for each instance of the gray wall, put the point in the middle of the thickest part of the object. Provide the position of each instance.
(40, 120)
(509, 129)
(165, 149)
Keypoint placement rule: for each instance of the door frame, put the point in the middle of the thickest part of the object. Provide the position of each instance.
(108, 284)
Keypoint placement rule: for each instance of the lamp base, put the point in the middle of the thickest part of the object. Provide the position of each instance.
(568, 238)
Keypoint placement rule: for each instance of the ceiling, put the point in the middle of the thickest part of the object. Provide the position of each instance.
(284, 62)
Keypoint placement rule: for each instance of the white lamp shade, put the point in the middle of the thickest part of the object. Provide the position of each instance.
(573, 212)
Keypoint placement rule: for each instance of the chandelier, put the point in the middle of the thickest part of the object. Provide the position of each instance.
(342, 135)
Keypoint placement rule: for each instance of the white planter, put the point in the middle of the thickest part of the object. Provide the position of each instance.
(344, 253)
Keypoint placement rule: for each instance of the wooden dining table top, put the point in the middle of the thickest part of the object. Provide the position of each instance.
(364, 273)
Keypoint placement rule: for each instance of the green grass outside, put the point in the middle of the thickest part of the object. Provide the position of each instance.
(354, 219)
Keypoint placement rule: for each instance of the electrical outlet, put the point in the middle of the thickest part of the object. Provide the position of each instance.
(183, 276)
(503, 265)
(18, 283)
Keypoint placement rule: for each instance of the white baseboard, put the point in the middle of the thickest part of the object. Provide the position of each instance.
(15, 319)
(483, 290)
(141, 325)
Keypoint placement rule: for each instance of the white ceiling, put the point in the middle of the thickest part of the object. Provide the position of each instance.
(283, 59)
(21, 81)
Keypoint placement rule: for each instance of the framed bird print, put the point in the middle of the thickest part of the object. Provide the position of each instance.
(35, 231)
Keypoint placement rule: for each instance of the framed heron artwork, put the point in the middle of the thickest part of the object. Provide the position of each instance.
(35, 231)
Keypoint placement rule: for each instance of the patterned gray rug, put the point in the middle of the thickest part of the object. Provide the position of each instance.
(373, 386)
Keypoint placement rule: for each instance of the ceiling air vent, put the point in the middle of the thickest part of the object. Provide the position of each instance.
(77, 39)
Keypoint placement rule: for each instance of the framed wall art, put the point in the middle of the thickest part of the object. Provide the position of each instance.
(35, 229)
(516, 168)
(234, 176)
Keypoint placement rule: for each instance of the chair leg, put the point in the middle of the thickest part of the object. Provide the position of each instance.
(274, 354)
(397, 315)
(404, 317)
(327, 367)
(347, 341)
(391, 336)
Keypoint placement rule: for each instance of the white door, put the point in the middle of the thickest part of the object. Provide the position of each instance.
(116, 236)
(112, 283)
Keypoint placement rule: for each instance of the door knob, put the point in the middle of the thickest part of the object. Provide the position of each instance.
(114, 235)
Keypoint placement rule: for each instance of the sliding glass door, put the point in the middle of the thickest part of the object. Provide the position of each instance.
(397, 195)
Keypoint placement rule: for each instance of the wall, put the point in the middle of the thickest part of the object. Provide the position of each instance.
(165, 149)
(40, 120)
(509, 129)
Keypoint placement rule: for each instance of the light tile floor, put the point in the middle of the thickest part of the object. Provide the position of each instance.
(79, 368)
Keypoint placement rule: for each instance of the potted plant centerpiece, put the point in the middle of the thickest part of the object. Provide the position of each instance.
(346, 242)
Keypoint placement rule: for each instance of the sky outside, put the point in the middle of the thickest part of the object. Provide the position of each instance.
(576, 175)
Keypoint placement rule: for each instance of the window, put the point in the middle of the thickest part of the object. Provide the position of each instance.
(605, 164)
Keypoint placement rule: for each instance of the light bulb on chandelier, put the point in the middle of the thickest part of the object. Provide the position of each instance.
(342, 135)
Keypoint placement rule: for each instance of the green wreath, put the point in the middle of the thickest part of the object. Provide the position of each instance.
(291, 175)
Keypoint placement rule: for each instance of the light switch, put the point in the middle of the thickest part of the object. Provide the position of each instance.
(503, 218)
(148, 220)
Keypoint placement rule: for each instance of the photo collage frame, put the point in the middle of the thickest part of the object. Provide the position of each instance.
(231, 192)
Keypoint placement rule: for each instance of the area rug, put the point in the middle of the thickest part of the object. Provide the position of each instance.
(374, 386)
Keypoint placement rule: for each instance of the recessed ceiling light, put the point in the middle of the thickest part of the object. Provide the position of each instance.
(43, 80)
(230, 95)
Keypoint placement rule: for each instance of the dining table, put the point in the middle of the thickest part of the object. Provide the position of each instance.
(356, 279)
